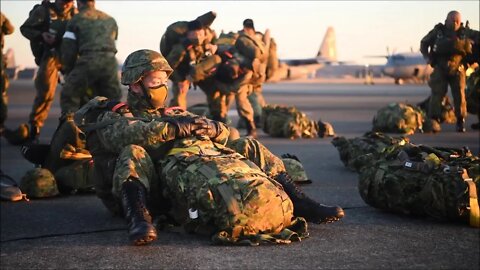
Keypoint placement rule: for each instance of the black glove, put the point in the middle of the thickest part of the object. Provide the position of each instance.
(288, 155)
(195, 126)
(206, 127)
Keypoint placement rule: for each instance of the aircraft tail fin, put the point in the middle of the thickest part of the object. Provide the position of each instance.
(328, 49)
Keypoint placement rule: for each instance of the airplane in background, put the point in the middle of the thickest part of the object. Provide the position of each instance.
(405, 66)
(307, 67)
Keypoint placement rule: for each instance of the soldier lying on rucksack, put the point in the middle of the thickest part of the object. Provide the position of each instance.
(154, 153)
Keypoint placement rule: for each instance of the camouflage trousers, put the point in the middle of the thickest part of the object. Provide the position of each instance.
(179, 95)
(94, 74)
(4, 83)
(209, 184)
(258, 102)
(439, 82)
(135, 162)
(216, 101)
(46, 82)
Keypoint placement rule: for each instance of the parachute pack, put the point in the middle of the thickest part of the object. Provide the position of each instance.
(287, 122)
(418, 180)
(398, 118)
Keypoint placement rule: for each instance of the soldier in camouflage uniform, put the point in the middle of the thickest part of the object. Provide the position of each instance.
(44, 28)
(188, 50)
(255, 57)
(6, 28)
(445, 48)
(88, 58)
(178, 148)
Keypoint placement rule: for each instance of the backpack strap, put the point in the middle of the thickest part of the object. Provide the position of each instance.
(472, 193)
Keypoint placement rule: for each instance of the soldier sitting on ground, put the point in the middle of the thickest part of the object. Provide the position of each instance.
(145, 153)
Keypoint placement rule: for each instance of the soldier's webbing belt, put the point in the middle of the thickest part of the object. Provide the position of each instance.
(472, 193)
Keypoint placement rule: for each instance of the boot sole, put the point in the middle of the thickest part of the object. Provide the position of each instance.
(144, 239)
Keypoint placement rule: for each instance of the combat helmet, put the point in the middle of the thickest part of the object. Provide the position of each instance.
(39, 183)
(142, 61)
(295, 169)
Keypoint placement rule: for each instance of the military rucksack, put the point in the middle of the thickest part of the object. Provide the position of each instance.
(398, 118)
(173, 34)
(424, 181)
(36, 45)
(287, 122)
(472, 92)
(357, 153)
(222, 188)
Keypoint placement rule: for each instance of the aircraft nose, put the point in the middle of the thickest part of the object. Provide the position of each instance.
(388, 70)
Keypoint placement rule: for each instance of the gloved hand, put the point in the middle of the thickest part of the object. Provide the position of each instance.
(195, 126)
(206, 127)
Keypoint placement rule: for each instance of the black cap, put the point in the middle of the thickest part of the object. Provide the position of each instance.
(248, 23)
(194, 25)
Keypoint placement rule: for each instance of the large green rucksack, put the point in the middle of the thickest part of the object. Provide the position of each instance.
(221, 192)
(424, 181)
(353, 152)
(287, 122)
(398, 118)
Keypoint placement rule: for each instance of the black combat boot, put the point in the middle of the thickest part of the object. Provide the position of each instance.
(303, 206)
(251, 129)
(140, 228)
(460, 126)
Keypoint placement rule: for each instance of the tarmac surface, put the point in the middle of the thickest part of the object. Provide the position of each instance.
(77, 232)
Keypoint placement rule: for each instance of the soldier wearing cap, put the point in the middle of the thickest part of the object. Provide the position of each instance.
(44, 28)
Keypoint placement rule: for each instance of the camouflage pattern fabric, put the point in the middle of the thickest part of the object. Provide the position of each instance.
(199, 173)
(45, 17)
(296, 170)
(472, 93)
(421, 181)
(256, 152)
(353, 152)
(325, 129)
(212, 183)
(287, 122)
(6, 28)
(39, 183)
(91, 35)
(398, 118)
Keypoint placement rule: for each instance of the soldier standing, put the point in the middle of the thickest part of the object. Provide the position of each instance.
(44, 28)
(6, 28)
(88, 58)
(445, 48)
(255, 56)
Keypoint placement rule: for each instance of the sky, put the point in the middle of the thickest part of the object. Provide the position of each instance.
(363, 28)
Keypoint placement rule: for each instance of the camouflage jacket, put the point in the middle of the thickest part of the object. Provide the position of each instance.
(444, 47)
(6, 28)
(152, 132)
(45, 18)
(90, 31)
(181, 58)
